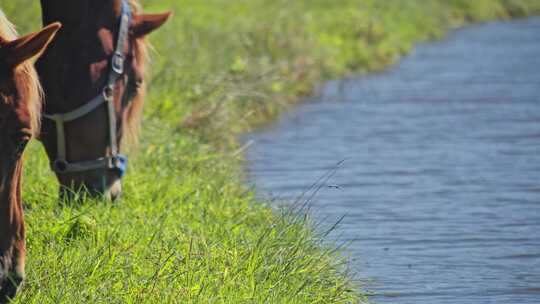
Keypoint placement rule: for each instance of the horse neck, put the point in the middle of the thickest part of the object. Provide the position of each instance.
(11, 218)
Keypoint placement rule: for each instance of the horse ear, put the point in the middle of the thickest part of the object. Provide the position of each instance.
(144, 24)
(29, 46)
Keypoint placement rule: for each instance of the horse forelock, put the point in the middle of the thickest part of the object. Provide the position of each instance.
(31, 91)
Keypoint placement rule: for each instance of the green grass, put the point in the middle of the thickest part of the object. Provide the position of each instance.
(187, 229)
(186, 232)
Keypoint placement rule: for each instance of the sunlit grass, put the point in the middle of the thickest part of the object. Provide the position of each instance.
(187, 230)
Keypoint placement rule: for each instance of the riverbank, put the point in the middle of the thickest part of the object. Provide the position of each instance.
(187, 230)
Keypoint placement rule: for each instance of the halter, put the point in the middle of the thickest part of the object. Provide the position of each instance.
(115, 160)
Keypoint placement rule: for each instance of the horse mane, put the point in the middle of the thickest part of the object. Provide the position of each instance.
(26, 78)
(141, 47)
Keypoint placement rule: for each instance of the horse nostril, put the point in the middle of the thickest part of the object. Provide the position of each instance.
(115, 191)
(19, 140)
(108, 190)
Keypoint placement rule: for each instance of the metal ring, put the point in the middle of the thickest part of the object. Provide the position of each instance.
(60, 166)
(108, 92)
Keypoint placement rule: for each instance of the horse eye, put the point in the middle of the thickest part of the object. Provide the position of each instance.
(17, 153)
(20, 142)
(138, 83)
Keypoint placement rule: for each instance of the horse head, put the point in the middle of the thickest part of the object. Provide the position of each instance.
(93, 79)
(20, 102)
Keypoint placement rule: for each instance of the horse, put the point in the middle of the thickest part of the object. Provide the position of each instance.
(93, 79)
(20, 108)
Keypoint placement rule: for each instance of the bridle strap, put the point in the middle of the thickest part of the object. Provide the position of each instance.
(115, 160)
(117, 64)
(61, 119)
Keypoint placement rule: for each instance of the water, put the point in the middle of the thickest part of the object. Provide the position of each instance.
(441, 183)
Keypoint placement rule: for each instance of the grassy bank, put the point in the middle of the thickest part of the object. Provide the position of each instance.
(187, 230)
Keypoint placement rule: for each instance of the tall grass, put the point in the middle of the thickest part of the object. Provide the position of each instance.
(187, 230)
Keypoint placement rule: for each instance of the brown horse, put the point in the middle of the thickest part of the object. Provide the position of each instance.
(20, 107)
(93, 82)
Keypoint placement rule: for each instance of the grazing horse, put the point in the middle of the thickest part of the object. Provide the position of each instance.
(93, 83)
(20, 107)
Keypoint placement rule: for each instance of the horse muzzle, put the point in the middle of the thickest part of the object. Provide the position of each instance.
(91, 184)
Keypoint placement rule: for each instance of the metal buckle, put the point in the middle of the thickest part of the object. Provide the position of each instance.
(108, 92)
(118, 63)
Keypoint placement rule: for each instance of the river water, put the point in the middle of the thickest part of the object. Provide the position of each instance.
(440, 184)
